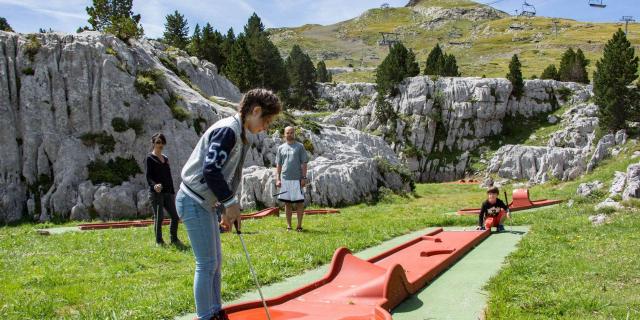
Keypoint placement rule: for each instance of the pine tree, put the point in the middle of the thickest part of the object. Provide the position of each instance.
(302, 76)
(573, 66)
(254, 26)
(271, 72)
(450, 66)
(194, 47)
(322, 73)
(396, 66)
(515, 76)
(434, 61)
(116, 17)
(176, 30)
(566, 65)
(411, 66)
(550, 72)
(211, 45)
(227, 44)
(615, 71)
(240, 67)
(579, 70)
(4, 25)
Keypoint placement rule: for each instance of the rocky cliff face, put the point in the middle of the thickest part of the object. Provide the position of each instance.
(77, 113)
(435, 126)
(72, 103)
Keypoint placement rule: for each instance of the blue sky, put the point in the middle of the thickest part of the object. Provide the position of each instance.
(68, 15)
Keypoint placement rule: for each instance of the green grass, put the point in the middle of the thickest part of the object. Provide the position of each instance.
(568, 269)
(564, 268)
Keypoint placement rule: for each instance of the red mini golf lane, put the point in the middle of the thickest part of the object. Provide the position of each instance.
(521, 201)
(143, 223)
(355, 289)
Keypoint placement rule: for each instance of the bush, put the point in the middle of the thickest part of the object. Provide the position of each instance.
(384, 166)
(32, 47)
(119, 125)
(113, 172)
(179, 112)
(28, 71)
(124, 28)
(564, 93)
(308, 145)
(111, 52)
(136, 125)
(106, 142)
(148, 82)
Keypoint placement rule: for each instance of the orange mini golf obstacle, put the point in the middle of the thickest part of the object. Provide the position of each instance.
(520, 201)
(321, 211)
(357, 289)
(465, 181)
(143, 223)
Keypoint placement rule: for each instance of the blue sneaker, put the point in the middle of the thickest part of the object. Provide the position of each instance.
(500, 228)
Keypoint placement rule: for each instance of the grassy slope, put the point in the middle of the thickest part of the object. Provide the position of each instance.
(492, 42)
(564, 268)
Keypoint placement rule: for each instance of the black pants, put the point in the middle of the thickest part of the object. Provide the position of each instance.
(166, 200)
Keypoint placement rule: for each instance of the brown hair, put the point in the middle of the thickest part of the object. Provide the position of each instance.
(158, 136)
(266, 99)
(493, 190)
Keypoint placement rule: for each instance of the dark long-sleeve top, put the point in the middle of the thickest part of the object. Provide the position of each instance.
(489, 209)
(221, 142)
(158, 172)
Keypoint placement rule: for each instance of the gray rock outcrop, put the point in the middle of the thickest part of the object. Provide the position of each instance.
(346, 166)
(436, 125)
(61, 97)
(585, 189)
(341, 95)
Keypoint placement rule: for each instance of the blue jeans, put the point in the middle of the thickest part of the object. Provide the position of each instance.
(204, 235)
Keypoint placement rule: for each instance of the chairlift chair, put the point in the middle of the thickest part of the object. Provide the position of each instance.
(597, 3)
(528, 10)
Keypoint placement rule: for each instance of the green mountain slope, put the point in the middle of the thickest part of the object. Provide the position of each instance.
(482, 38)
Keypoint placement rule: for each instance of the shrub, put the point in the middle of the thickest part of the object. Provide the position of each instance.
(113, 172)
(28, 71)
(148, 82)
(179, 112)
(308, 145)
(32, 46)
(119, 125)
(105, 141)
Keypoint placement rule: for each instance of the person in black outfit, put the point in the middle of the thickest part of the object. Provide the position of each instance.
(161, 189)
(492, 212)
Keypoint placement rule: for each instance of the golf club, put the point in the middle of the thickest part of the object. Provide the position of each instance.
(279, 193)
(253, 273)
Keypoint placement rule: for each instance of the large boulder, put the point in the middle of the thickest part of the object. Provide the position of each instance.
(117, 202)
(585, 189)
(632, 189)
(346, 166)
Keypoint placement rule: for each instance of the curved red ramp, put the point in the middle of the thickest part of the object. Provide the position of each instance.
(144, 223)
(520, 201)
(466, 181)
(273, 211)
(321, 211)
(355, 289)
